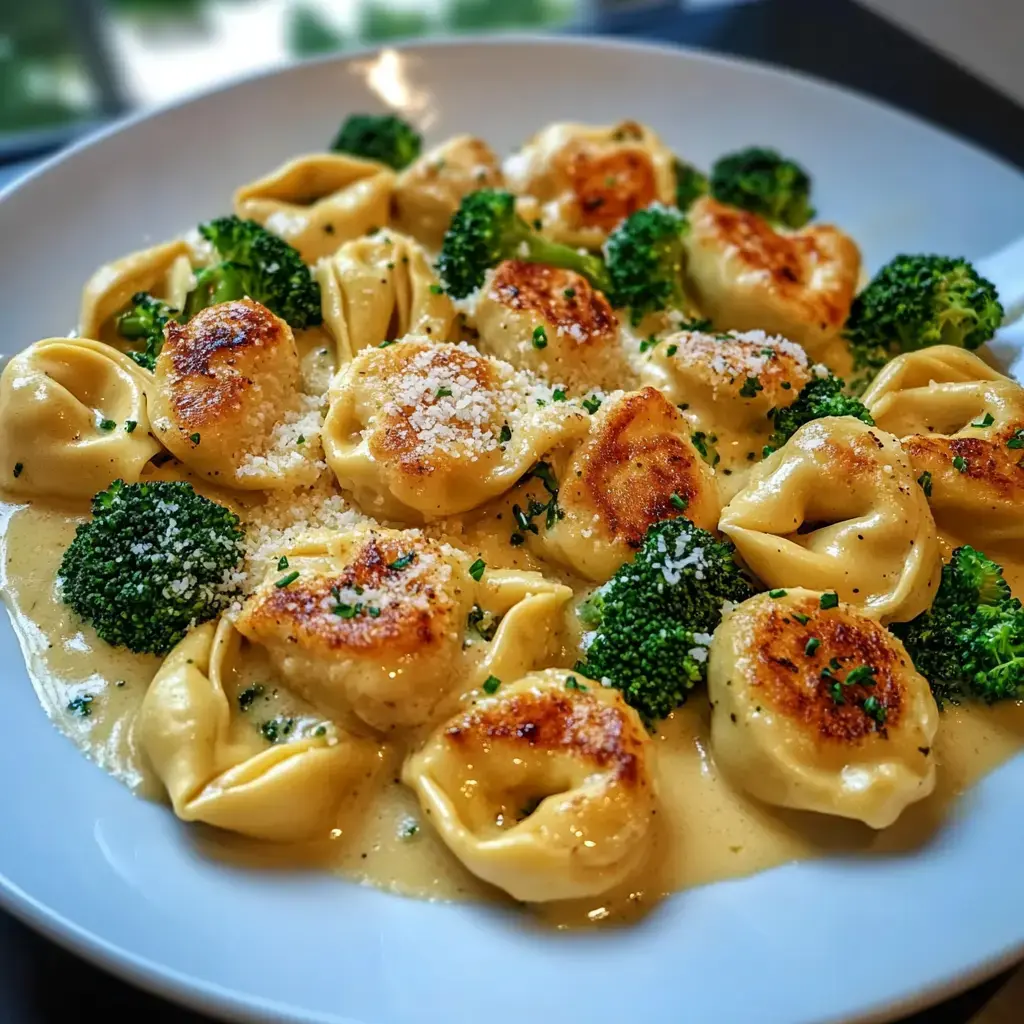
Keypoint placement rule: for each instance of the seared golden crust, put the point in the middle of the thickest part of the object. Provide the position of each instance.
(800, 686)
(584, 727)
(985, 463)
(565, 299)
(608, 186)
(416, 613)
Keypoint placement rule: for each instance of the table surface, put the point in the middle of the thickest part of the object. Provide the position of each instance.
(40, 983)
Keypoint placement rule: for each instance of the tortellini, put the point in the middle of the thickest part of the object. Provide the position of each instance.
(378, 626)
(636, 467)
(227, 399)
(219, 768)
(165, 271)
(418, 430)
(587, 178)
(745, 275)
(381, 288)
(545, 789)
(842, 726)
(553, 322)
(838, 507)
(430, 189)
(317, 202)
(73, 417)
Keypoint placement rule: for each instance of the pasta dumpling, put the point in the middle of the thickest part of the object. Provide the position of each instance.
(842, 726)
(553, 322)
(418, 430)
(381, 288)
(317, 202)
(73, 417)
(838, 507)
(636, 467)
(745, 275)
(545, 789)
(227, 398)
(588, 178)
(430, 189)
(165, 271)
(374, 626)
(223, 771)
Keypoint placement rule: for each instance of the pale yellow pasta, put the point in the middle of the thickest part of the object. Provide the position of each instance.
(418, 430)
(317, 202)
(165, 271)
(430, 189)
(376, 626)
(745, 275)
(778, 730)
(379, 289)
(838, 507)
(636, 467)
(553, 322)
(587, 178)
(221, 771)
(73, 417)
(544, 789)
(226, 399)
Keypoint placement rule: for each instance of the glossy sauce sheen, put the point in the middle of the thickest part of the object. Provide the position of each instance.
(705, 830)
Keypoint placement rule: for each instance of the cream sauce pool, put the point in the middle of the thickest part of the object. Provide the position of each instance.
(706, 831)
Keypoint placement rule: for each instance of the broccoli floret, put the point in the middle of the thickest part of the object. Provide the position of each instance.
(917, 301)
(970, 643)
(155, 559)
(645, 261)
(143, 320)
(385, 138)
(766, 183)
(257, 264)
(823, 396)
(653, 619)
(486, 230)
(691, 184)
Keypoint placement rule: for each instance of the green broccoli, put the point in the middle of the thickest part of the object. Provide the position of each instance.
(766, 183)
(823, 396)
(486, 230)
(155, 559)
(143, 320)
(384, 138)
(970, 643)
(653, 619)
(691, 184)
(917, 301)
(260, 265)
(645, 261)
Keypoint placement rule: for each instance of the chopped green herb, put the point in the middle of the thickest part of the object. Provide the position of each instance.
(409, 829)
(443, 392)
(591, 404)
(558, 395)
(679, 501)
(284, 581)
(750, 388)
(986, 421)
(301, 440)
(785, 385)
(649, 342)
(572, 683)
(671, 350)
(506, 434)
(107, 425)
(386, 342)
(569, 293)
(484, 624)
(436, 289)
(491, 684)
(811, 646)
(130, 425)
(249, 695)
(320, 730)
(925, 480)
(801, 618)
(776, 593)
(277, 729)
(829, 600)
(960, 464)
(81, 705)
(282, 562)
(347, 611)
(476, 570)
(1017, 441)
(862, 675)
(875, 709)
(540, 337)
(194, 438)
(403, 561)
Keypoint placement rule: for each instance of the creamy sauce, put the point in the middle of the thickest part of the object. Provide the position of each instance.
(706, 831)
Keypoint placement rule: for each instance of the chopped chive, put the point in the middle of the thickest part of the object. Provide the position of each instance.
(107, 424)
(801, 618)
(569, 293)
(436, 289)
(750, 388)
(572, 683)
(282, 562)
(506, 434)
(776, 593)
(925, 480)
(476, 570)
(863, 675)
(678, 501)
(592, 404)
(284, 581)
(875, 709)
(1017, 441)
(960, 464)
(403, 561)
(829, 600)
(386, 342)
(130, 425)
(671, 350)
(558, 395)
(81, 705)
(443, 392)
(491, 684)
(811, 646)
(986, 421)
(540, 337)
(194, 438)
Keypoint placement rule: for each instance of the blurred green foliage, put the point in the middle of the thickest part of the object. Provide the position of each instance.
(310, 34)
(382, 22)
(482, 15)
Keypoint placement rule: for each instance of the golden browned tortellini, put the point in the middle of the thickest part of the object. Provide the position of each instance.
(378, 626)
(819, 709)
(838, 507)
(745, 275)
(381, 288)
(544, 789)
(72, 419)
(430, 189)
(588, 178)
(317, 202)
(727, 383)
(418, 430)
(911, 395)
(227, 401)
(282, 783)
(551, 321)
(971, 462)
(165, 271)
(636, 467)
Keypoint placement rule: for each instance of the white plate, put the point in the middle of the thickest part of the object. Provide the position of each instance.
(119, 881)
